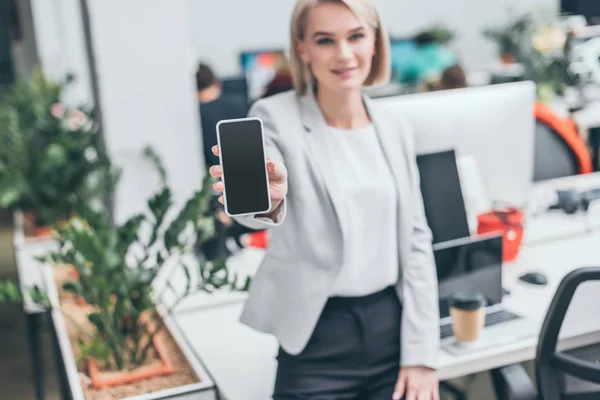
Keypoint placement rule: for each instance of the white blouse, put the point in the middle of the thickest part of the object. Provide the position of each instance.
(371, 253)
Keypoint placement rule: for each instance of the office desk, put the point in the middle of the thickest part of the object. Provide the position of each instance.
(243, 364)
(555, 259)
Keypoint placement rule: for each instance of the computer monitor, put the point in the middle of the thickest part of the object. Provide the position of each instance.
(401, 52)
(442, 196)
(260, 67)
(495, 124)
(590, 9)
(469, 264)
(235, 86)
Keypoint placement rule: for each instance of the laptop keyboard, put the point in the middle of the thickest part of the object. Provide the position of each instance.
(492, 318)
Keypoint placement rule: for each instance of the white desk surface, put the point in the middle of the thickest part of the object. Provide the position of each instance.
(556, 224)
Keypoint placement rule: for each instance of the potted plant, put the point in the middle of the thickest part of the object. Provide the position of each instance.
(508, 38)
(51, 159)
(110, 302)
(548, 59)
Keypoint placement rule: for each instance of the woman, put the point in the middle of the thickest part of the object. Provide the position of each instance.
(349, 236)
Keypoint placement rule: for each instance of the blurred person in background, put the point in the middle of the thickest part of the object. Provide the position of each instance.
(348, 285)
(215, 106)
(453, 78)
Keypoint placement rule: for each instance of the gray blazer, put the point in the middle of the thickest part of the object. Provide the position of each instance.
(296, 277)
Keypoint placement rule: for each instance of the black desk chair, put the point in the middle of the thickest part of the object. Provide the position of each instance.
(568, 375)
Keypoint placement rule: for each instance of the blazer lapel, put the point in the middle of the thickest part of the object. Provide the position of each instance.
(320, 148)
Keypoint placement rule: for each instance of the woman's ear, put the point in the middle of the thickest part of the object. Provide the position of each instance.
(301, 49)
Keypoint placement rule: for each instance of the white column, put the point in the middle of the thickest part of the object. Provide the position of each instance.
(147, 92)
(61, 47)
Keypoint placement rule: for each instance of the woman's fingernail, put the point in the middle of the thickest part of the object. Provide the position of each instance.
(396, 396)
(271, 166)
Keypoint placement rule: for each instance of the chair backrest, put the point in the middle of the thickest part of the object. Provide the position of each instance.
(572, 374)
(559, 150)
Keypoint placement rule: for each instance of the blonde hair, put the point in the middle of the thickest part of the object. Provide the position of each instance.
(302, 76)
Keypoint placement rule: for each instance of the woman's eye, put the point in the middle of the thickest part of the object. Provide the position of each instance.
(324, 41)
(357, 36)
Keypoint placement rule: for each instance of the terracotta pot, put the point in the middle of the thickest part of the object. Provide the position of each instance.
(32, 229)
(104, 379)
(29, 224)
(507, 59)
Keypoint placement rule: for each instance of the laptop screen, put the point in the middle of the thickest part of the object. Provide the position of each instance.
(471, 263)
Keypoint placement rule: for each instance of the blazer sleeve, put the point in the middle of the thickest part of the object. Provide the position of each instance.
(420, 336)
(272, 149)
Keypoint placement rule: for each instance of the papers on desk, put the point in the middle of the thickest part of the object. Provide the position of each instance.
(543, 225)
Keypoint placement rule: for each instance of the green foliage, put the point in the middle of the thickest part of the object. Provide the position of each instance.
(52, 163)
(442, 34)
(508, 36)
(542, 46)
(11, 293)
(119, 268)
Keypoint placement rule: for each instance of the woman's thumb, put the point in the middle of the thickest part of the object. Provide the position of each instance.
(271, 168)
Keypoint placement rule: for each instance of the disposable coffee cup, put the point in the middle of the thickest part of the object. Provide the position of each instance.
(467, 310)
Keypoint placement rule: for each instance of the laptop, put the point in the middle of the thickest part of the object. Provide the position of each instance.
(475, 263)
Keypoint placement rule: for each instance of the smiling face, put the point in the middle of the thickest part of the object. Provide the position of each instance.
(338, 45)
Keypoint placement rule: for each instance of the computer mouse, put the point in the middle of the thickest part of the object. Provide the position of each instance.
(535, 278)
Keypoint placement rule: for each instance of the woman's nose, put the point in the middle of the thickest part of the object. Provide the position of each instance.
(344, 50)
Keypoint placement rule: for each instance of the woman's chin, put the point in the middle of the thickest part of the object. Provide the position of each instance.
(345, 86)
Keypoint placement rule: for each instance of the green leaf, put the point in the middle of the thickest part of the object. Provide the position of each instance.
(247, 284)
(9, 196)
(154, 158)
(10, 292)
(188, 278)
(73, 287)
(56, 153)
(95, 319)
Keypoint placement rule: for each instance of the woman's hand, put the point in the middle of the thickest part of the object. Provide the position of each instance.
(277, 181)
(417, 383)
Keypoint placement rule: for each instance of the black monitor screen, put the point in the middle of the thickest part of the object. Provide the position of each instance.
(469, 264)
(442, 196)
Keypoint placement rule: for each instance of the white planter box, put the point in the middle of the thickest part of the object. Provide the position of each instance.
(204, 390)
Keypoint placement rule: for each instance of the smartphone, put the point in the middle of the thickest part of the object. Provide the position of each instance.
(244, 164)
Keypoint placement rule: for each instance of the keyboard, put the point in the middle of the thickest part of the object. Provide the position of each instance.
(491, 319)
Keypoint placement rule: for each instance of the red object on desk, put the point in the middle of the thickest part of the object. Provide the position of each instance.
(510, 223)
(258, 240)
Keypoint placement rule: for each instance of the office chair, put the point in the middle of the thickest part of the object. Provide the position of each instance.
(559, 150)
(568, 375)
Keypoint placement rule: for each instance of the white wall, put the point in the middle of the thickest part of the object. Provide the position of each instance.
(221, 29)
(61, 47)
(147, 96)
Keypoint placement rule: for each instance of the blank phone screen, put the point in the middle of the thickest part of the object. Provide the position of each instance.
(244, 169)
